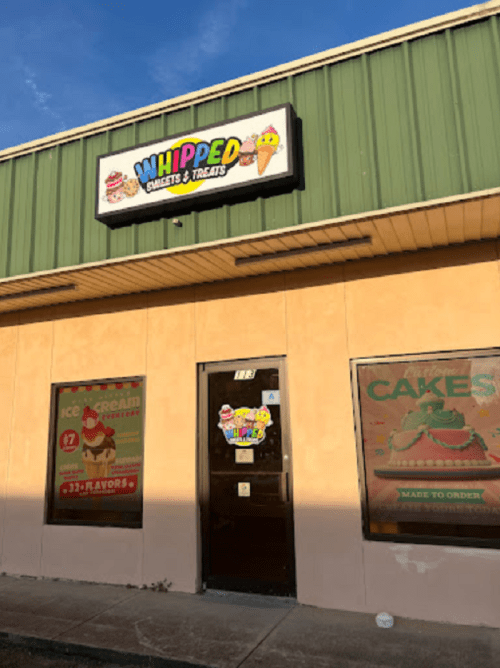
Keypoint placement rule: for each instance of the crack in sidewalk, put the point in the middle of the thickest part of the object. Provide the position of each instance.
(85, 621)
(264, 637)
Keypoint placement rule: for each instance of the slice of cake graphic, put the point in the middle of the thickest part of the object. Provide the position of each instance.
(435, 443)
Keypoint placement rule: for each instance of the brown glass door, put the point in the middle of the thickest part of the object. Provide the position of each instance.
(245, 467)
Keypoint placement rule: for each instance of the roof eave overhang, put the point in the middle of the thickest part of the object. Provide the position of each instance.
(413, 227)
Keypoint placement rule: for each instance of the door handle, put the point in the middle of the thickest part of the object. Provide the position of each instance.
(284, 488)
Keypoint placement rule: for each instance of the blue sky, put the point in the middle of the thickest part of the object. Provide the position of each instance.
(66, 64)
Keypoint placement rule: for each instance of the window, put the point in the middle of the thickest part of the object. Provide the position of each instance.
(428, 432)
(96, 453)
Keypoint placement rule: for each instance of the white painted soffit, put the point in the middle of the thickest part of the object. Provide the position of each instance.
(452, 220)
(328, 57)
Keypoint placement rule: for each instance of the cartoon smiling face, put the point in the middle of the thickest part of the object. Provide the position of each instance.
(240, 415)
(268, 139)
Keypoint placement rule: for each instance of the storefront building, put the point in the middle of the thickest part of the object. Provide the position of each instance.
(250, 336)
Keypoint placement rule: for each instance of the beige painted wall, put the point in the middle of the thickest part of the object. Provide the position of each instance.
(319, 319)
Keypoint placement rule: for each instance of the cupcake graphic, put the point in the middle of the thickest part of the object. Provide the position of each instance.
(118, 187)
(247, 152)
(114, 188)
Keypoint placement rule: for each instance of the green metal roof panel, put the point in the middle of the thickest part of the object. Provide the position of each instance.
(95, 237)
(406, 123)
(353, 169)
(479, 100)
(22, 216)
(6, 187)
(435, 127)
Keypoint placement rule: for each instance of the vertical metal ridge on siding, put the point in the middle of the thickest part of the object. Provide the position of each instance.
(21, 220)
(83, 154)
(479, 103)
(95, 234)
(11, 186)
(57, 199)
(457, 108)
(332, 153)
(416, 143)
(297, 195)
(375, 175)
(32, 195)
(493, 21)
(408, 122)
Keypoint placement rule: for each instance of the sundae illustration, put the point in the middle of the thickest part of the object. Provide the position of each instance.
(250, 419)
(244, 426)
(118, 187)
(226, 415)
(435, 443)
(98, 449)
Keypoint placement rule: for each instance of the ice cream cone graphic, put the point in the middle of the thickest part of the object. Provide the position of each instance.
(99, 469)
(264, 154)
(266, 146)
(92, 469)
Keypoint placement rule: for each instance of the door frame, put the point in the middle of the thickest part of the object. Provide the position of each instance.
(203, 467)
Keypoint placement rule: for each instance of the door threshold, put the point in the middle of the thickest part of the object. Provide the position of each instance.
(249, 586)
(249, 600)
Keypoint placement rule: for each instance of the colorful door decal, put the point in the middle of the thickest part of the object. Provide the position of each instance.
(244, 426)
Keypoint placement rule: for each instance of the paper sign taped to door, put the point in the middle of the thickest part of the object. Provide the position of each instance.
(270, 397)
(243, 456)
(243, 489)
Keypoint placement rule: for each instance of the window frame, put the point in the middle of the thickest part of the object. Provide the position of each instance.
(440, 356)
(49, 510)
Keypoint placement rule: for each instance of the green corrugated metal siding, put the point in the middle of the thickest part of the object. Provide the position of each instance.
(406, 123)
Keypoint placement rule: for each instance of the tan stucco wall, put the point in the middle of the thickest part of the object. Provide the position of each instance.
(319, 318)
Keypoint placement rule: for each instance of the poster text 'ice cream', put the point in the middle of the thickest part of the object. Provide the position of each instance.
(103, 407)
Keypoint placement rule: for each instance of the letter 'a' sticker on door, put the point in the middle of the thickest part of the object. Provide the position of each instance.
(270, 397)
(243, 489)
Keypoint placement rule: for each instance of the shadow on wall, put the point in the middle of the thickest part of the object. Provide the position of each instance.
(168, 543)
(335, 567)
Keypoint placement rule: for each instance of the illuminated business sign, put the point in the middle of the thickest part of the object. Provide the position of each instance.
(212, 163)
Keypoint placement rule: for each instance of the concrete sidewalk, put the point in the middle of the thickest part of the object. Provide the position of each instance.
(224, 630)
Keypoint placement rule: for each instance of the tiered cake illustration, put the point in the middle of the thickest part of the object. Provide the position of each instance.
(435, 443)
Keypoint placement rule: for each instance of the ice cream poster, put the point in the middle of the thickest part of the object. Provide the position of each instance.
(248, 152)
(244, 426)
(430, 435)
(99, 444)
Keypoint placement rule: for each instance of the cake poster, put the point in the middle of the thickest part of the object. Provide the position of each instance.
(431, 440)
(155, 177)
(99, 446)
(244, 426)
